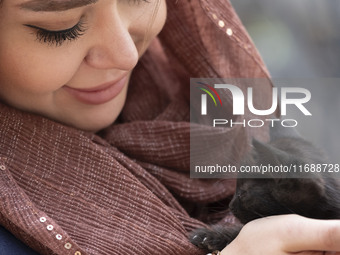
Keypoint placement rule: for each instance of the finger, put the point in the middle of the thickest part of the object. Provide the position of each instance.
(303, 234)
(311, 253)
(318, 253)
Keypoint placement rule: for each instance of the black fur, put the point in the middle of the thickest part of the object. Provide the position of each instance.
(316, 197)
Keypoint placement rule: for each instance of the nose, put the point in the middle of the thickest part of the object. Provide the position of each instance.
(113, 46)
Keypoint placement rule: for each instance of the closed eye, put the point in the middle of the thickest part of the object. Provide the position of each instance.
(241, 193)
(58, 37)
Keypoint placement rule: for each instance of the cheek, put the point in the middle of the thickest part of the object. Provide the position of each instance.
(160, 18)
(148, 24)
(37, 68)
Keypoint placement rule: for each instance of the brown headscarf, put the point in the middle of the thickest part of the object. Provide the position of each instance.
(126, 190)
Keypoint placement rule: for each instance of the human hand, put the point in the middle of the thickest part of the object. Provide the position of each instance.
(285, 235)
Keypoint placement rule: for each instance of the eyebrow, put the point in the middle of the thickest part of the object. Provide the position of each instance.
(54, 5)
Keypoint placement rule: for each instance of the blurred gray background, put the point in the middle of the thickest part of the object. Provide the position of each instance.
(301, 39)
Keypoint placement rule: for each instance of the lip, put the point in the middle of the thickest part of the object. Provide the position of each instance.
(100, 94)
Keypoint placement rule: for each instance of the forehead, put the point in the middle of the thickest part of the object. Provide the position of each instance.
(52, 5)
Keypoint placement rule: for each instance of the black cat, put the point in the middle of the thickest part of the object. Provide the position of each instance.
(317, 196)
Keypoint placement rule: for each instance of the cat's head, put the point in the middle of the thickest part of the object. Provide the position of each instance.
(253, 199)
(284, 152)
(261, 194)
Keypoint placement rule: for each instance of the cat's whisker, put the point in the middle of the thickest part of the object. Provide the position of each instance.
(290, 210)
(259, 214)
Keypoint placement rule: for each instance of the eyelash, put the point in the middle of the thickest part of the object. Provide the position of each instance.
(57, 38)
(138, 1)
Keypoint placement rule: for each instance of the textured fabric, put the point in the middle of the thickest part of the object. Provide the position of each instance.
(126, 190)
(9, 245)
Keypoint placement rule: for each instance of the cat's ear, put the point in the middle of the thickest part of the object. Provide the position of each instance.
(268, 154)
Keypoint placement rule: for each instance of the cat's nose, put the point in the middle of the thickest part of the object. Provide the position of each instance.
(231, 206)
(233, 201)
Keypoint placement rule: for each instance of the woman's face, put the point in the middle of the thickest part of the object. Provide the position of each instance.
(71, 60)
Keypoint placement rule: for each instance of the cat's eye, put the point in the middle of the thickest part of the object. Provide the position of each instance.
(241, 193)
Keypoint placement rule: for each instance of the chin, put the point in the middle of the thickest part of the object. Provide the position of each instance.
(95, 124)
(94, 119)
